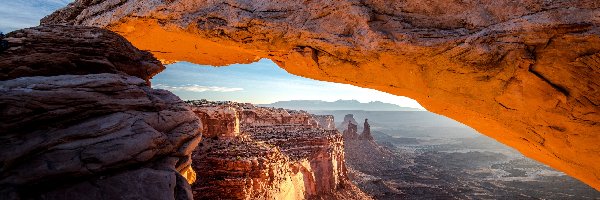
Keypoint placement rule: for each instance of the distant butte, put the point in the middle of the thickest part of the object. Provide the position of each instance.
(526, 73)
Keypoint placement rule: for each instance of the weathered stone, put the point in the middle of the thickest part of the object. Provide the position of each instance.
(349, 127)
(60, 130)
(523, 72)
(325, 121)
(80, 121)
(58, 50)
(158, 185)
(366, 133)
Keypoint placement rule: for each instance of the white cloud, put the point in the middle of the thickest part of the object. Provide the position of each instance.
(197, 88)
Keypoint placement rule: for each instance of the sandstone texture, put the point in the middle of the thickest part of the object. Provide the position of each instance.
(524, 72)
(277, 154)
(325, 121)
(78, 50)
(243, 169)
(70, 133)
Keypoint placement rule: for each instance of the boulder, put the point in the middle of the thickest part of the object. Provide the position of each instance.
(57, 50)
(80, 121)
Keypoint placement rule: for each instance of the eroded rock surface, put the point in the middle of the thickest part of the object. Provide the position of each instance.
(366, 133)
(70, 133)
(523, 72)
(58, 50)
(278, 154)
(325, 121)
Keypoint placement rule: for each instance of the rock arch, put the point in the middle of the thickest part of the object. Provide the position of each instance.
(526, 73)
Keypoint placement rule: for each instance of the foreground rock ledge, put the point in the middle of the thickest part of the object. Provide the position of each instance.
(526, 73)
(79, 120)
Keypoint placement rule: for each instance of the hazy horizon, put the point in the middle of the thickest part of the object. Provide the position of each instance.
(261, 82)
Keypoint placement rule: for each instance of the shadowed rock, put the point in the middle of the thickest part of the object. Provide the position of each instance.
(366, 133)
(59, 130)
(57, 50)
(70, 130)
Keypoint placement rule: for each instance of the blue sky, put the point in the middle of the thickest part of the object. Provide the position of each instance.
(17, 14)
(260, 82)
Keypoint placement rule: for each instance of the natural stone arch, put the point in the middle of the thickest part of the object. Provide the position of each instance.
(523, 72)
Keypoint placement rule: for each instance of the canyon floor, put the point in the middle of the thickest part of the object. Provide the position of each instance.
(421, 155)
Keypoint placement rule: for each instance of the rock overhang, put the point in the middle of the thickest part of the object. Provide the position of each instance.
(525, 73)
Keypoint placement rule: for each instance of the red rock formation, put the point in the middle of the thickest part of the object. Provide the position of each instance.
(275, 116)
(279, 154)
(350, 133)
(244, 169)
(218, 121)
(366, 134)
(325, 121)
(349, 127)
(92, 135)
(523, 72)
(349, 118)
(323, 149)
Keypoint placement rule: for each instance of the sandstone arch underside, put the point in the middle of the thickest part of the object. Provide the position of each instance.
(526, 73)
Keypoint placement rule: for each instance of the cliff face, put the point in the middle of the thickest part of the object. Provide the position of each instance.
(80, 122)
(348, 119)
(244, 169)
(278, 154)
(325, 121)
(366, 133)
(219, 122)
(523, 72)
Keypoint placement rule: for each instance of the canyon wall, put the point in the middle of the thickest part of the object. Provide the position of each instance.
(325, 121)
(277, 154)
(524, 72)
(79, 120)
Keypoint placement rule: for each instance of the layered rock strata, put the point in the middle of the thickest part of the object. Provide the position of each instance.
(77, 50)
(239, 168)
(278, 154)
(523, 72)
(325, 121)
(79, 120)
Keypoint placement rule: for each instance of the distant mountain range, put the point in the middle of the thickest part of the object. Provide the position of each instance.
(338, 105)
